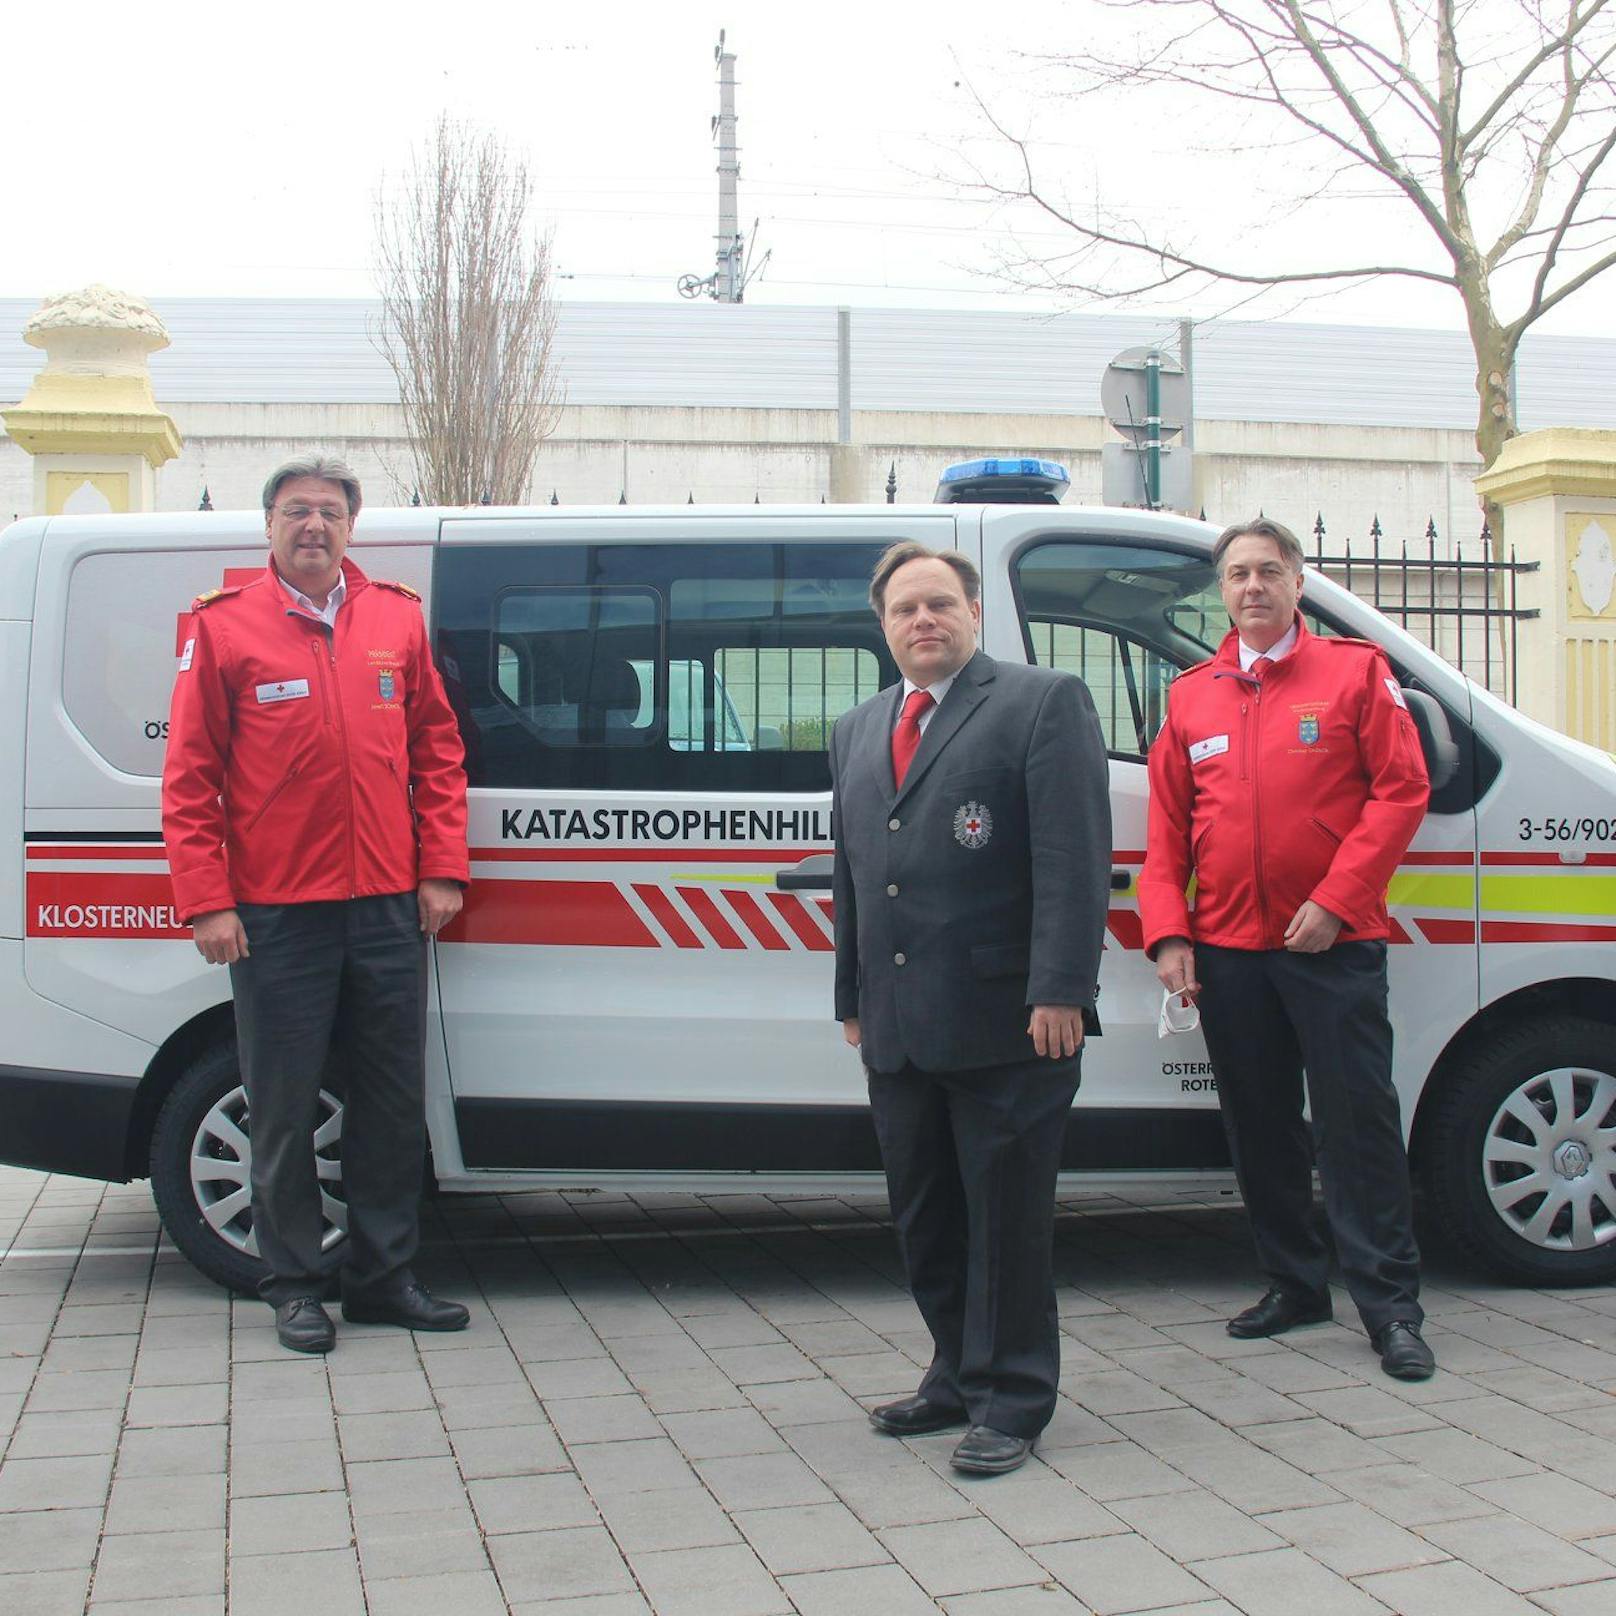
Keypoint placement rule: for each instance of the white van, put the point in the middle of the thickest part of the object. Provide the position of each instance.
(639, 989)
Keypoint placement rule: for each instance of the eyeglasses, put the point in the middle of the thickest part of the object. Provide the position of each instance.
(301, 513)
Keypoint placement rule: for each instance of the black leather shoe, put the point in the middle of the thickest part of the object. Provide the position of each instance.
(1279, 1311)
(304, 1326)
(412, 1307)
(986, 1452)
(915, 1416)
(1403, 1352)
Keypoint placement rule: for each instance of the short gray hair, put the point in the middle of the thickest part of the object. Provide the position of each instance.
(328, 468)
(1261, 527)
(907, 550)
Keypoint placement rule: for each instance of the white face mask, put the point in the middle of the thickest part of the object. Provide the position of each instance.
(1178, 1014)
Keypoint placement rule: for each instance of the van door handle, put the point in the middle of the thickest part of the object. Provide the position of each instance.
(811, 875)
(1120, 880)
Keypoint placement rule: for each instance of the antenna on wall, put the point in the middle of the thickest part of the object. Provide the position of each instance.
(735, 269)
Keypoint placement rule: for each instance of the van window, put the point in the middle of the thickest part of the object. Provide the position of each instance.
(656, 666)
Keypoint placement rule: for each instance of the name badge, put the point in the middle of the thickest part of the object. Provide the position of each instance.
(1397, 693)
(284, 690)
(186, 655)
(1210, 747)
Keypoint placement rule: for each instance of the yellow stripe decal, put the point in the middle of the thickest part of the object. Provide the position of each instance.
(1432, 890)
(1549, 895)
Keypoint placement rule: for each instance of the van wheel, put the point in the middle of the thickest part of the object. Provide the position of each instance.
(201, 1155)
(1519, 1160)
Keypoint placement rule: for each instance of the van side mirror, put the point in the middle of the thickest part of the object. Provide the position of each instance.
(1436, 737)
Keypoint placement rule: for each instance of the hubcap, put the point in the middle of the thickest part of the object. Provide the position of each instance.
(1549, 1159)
(221, 1162)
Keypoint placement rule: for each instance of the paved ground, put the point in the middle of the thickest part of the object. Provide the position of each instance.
(657, 1407)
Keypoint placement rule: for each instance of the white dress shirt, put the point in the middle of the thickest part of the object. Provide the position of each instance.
(1282, 647)
(937, 691)
(327, 613)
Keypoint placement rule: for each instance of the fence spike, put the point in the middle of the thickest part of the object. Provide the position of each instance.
(488, 497)
(690, 498)
(554, 497)
(415, 495)
(1318, 531)
(1430, 528)
(1375, 529)
(757, 499)
(622, 498)
(892, 484)
(207, 499)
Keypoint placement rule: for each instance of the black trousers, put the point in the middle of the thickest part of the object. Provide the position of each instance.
(971, 1160)
(334, 992)
(1268, 1014)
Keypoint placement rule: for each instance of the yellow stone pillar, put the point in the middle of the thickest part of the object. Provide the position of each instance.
(1558, 491)
(90, 420)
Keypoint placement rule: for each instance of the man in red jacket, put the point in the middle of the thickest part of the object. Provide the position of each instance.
(314, 811)
(1288, 780)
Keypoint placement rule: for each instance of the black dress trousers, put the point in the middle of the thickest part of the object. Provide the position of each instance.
(334, 993)
(1268, 1014)
(971, 1161)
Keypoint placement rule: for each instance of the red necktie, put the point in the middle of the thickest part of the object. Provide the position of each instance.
(1261, 666)
(906, 737)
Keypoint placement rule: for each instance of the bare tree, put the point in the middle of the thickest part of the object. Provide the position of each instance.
(468, 324)
(1492, 120)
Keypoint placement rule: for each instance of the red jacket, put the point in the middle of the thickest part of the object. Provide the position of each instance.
(305, 764)
(1309, 784)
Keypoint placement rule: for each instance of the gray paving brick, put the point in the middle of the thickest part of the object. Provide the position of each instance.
(675, 1518)
(49, 1539)
(567, 1563)
(68, 1391)
(1235, 1401)
(813, 1537)
(1281, 1582)
(1316, 1446)
(392, 1486)
(69, 1353)
(1045, 1599)
(904, 1495)
(1449, 1589)
(531, 1503)
(613, 1468)
(1194, 1525)
(1351, 1538)
(577, 1377)
(177, 1405)
(289, 1523)
(472, 1366)
(762, 1481)
(1559, 1505)
(1407, 1495)
(44, 1593)
(167, 1503)
(160, 1565)
(326, 1580)
(1586, 1599)
(755, 1366)
(60, 1436)
(262, 1469)
(723, 1433)
(465, 1592)
(418, 1555)
(416, 1434)
(1215, 1457)
(601, 1419)
(874, 1376)
(1515, 1553)
(726, 1581)
(519, 1450)
(1116, 1391)
(734, 1327)
(1108, 1470)
(180, 1366)
(1292, 1372)
(1456, 1455)
(78, 1482)
(959, 1557)
(1036, 1505)
(590, 1605)
(193, 1605)
(383, 1392)
(1122, 1573)
(864, 1591)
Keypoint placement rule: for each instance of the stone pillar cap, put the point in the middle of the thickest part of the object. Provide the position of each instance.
(96, 308)
(1553, 460)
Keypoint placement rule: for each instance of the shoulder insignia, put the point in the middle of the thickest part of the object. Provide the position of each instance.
(1346, 639)
(397, 588)
(209, 596)
(1194, 667)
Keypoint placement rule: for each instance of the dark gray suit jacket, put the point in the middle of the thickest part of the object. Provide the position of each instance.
(981, 888)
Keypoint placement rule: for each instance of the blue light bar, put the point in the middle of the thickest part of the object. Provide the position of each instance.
(1004, 479)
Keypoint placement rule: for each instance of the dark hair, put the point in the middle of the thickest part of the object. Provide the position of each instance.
(907, 550)
(327, 468)
(1262, 527)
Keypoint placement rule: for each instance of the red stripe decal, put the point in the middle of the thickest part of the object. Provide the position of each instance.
(588, 914)
(827, 907)
(1462, 861)
(1126, 927)
(645, 855)
(1551, 860)
(1544, 931)
(1128, 856)
(1446, 931)
(1398, 933)
(668, 918)
(800, 918)
(706, 911)
(756, 922)
(99, 851)
(81, 903)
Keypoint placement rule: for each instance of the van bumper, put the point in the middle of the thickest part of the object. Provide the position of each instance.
(66, 1122)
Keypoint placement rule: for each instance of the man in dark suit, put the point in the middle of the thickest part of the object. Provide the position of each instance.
(973, 856)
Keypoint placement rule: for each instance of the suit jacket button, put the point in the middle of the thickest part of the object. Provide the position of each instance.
(892, 824)
(900, 959)
(892, 891)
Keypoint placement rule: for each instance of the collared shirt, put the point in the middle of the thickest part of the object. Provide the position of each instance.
(327, 613)
(1282, 647)
(937, 692)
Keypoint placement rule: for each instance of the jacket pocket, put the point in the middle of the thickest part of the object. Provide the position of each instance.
(990, 960)
(1324, 830)
(269, 801)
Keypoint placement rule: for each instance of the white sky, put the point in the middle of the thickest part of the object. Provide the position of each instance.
(207, 149)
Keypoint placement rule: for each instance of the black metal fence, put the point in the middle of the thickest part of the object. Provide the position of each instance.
(1465, 606)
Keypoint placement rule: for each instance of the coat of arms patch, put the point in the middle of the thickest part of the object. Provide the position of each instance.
(973, 824)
